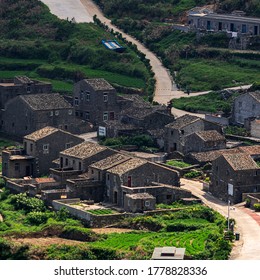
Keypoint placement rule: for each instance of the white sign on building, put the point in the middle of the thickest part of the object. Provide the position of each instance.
(101, 131)
(230, 189)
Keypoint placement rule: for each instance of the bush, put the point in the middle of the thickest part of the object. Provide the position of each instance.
(23, 202)
(248, 202)
(257, 207)
(193, 174)
(36, 218)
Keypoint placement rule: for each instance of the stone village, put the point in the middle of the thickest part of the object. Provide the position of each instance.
(56, 164)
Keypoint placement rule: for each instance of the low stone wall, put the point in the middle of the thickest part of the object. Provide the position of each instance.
(253, 197)
(16, 187)
(88, 218)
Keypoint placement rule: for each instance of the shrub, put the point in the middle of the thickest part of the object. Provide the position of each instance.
(193, 174)
(257, 207)
(36, 218)
(248, 202)
(22, 201)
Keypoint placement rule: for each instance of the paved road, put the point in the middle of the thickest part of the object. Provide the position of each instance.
(84, 10)
(248, 248)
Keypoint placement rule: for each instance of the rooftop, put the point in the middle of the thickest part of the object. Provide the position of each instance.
(140, 196)
(84, 150)
(50, 101)
(255, 95)
(183, 121)
(168, 253)
(110, 162)
(251, 150)
(240, 161)
(210, 135)
(126, 166)
(41, 133)
(228, 17)
(99, 84)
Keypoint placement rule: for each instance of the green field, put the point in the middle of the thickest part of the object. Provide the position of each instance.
(197, 228)
(177, 163)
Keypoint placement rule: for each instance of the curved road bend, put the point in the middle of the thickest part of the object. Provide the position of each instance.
(84, 10)
(248, 248)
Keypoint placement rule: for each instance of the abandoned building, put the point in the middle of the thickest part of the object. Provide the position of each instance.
(203, 141)
(25, 114)
(177, 131)
(21, 85)
(246, 106)
(95, 100)
(39, 150)
(252, 125)
(234, 174)
(224, 22)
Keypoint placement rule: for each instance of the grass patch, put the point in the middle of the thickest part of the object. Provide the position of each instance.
(178, 163)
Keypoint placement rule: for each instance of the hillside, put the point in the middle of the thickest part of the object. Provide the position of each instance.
(197, 63)
(36, 43)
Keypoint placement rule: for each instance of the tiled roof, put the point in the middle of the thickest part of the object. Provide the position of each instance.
(117, 124)
(109, 162)
(240, 161)
(183, 121)
(41, 133)
(99, 84)
(210, 135)
(23, 79)
(84, 150)
(251, 150)
(49, 101)
(141, 112)
(158, 133)
(127, 166)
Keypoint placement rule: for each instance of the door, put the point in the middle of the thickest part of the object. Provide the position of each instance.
(28, 170)
(115, 197)
(256, 30)
(220, 26)
(129, 181)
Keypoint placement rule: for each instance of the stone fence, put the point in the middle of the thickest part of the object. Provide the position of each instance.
(253, 198)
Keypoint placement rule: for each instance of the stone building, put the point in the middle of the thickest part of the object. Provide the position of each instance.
(234, 174)
(246, 106)
(177, 131)
(21, 85)
(224, 22)
(25, 114)
(40, 149)
(95, 100)
(139, 202)
(253, 126)
(137, 175)
(203, 141)
(46, 144)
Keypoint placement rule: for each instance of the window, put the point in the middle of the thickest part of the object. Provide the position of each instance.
(87, 116)
(147, 203)
(79, 165)
(255, 173)
(76, 101)
(68, 145)
(81, 95)
(65, 127)
(105, 96)
(87, 96)
(17, 166)
(51, 113)
(28, 89)
(220, 26)
(45, 148)
(70, 112)
(108, 178)
(77, 113)
(56, 113)
(31, 147)
(66, 162)
(244, 29)
(105, 116)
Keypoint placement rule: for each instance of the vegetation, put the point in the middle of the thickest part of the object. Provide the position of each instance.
(193, 174)
(211, 102)
(143, 142)
(197, 228)
(178, 163)
(257, 207)
(236, 130)
(37, 44)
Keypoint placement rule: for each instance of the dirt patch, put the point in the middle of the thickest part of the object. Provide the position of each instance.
(110, 230)
(1, 218)
(44, 242)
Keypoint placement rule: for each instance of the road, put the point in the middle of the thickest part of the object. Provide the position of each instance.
(84, 10)
(248, 248)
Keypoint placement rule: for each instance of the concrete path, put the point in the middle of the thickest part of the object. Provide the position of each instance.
(248, 248)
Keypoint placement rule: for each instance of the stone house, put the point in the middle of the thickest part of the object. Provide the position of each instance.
(137, 175)
(139, 202)
(177, 131)
(224, 22)
(234, 174)
(246, 106)
(203, 141)
(25, 114)
(16, 163)
(46, 144)
(95, 100)
(40, 149)
(253, 126)
(80, 157)
(21, 85)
